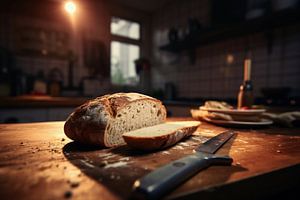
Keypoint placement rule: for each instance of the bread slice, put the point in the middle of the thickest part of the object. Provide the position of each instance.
(217, 105)
(200, 114)
(160, 136)
(103, 120)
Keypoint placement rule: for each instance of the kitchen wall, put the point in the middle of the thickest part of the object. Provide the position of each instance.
(218, 69)
(40, 21)
(91, 22)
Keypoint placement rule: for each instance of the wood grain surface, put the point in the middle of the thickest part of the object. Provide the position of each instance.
(37, 161)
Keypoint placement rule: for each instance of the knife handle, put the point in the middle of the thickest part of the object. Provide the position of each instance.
(157, 183)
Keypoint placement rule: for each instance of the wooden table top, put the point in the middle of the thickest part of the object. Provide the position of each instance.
(37, 161)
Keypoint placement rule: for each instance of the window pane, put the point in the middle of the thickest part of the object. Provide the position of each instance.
(122, 60)
(125, 28)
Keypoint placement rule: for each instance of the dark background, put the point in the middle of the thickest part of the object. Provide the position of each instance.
(196, 48)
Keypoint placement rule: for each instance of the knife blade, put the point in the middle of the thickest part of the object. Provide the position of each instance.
(162, 180)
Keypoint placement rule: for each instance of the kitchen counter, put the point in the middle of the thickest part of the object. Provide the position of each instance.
(40, 101)
(37, 161)
(35, 101)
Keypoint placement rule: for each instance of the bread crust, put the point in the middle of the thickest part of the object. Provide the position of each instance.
(159, 142)
(89, 122)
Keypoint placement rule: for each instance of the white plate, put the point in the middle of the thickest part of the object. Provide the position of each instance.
(235, 111)
(263, 122)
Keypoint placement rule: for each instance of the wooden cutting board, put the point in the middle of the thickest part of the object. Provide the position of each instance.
(37, 161)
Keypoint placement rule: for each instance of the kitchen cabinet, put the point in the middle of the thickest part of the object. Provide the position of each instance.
(34, 114)
(37, 108)
(179, 110)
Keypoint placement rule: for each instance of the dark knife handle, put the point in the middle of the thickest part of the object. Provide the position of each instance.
(157, 183)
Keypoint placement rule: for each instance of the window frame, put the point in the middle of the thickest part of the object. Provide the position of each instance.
(124, 37)
(126, 40)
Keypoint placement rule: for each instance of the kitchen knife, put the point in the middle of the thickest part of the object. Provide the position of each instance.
(159, 182)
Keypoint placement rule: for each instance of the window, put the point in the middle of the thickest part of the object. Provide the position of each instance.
(122, 63)
(125, 49)
(125, 28)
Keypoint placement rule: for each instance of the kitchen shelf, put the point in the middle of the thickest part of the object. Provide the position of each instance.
(211, 35)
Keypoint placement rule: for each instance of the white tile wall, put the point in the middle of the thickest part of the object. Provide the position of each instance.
(210, 76)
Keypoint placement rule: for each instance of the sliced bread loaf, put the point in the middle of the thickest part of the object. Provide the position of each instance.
(103, 120)
(160, 136)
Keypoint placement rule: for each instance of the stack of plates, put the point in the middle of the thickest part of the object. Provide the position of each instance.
(235, 112)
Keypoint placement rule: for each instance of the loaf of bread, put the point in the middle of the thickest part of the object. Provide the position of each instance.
(103, 120)
(160, 136)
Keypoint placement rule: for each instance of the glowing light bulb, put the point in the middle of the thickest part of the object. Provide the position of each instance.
(230, 58)
(70, 7)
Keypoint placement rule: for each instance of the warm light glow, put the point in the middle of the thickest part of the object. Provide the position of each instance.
(230, 59)
(70, 7)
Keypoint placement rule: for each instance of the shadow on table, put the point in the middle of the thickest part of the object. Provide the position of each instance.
(118, 168)
(107, 166)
